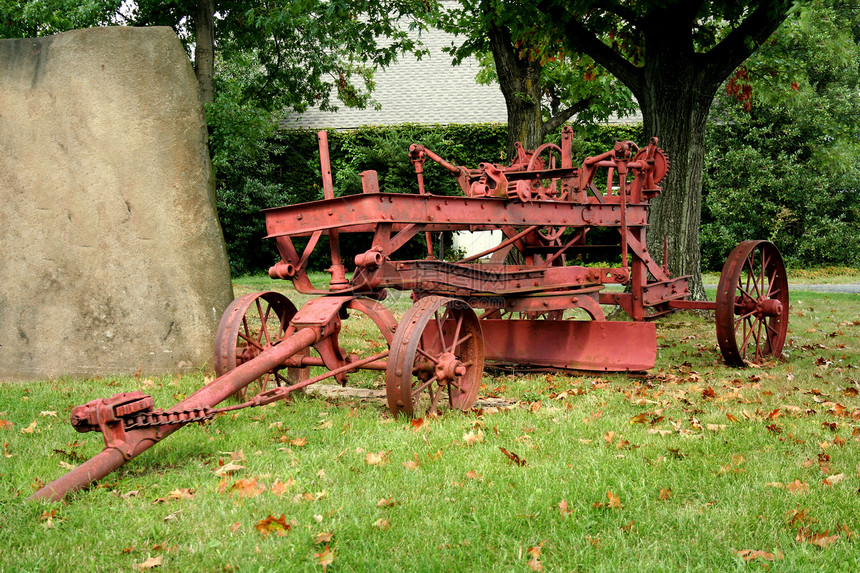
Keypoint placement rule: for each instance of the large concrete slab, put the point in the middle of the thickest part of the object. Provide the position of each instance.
(111, 256)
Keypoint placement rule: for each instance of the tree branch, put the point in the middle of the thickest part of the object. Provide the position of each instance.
(585, 41)
(741, 42)
(558, 119)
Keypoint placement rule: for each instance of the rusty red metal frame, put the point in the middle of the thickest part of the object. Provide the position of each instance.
(545, 311)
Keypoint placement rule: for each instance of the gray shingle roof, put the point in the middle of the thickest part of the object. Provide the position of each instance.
(427, 91)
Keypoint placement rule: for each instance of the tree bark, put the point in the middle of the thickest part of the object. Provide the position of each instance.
(519, 79)
(204, 49)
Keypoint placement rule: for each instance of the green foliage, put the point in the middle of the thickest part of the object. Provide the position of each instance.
(786, 170)
(45, 17)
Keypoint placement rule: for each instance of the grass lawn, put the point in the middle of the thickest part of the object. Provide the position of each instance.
(694, 466)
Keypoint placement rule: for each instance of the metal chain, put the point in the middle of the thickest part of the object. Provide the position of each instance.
(168, 417)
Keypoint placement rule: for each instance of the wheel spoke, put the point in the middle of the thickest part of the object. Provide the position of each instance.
(466, 337)
(264, 319)
(434, 399)
(251, 341)
(417, 389)
(456, 333)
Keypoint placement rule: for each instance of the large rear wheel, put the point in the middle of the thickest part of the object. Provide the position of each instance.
(752, 304)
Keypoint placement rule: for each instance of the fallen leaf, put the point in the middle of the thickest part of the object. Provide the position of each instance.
(375, 459)
(46, 413)
(324, 537)
(247, 488)
(749, 555)
(227, 469)
(513, 457)
(474, 475)
(834, 479)
(797, 487)
(184, 493)
(5, 424)
(29, 429)
(234, 527)
(665, 494)
(324, 558)
(382, 524)
(273, 525)
(67, 465)
(613, 503)
(472, 438)
(390, 502)
(299, 442)
(563, 508)
(805, 534)
(417, 424)
(150, 563)
(639, 419)
(279, 487)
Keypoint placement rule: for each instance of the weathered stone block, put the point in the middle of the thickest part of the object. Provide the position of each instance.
(111, 255)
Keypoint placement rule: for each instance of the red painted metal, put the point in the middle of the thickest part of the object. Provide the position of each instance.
(531, 305)
(752, 304)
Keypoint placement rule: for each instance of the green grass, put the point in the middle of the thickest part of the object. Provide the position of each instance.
(714, 440)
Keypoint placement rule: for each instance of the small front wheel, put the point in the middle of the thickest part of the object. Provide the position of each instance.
(251, 324)
(437, 350)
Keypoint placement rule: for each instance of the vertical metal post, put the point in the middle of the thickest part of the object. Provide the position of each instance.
(337, 269)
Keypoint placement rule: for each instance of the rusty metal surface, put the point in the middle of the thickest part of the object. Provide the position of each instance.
(572, 344)
(752, 304)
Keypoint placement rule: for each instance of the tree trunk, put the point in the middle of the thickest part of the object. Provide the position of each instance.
(204, 49)
(675, 109)
(519, 79)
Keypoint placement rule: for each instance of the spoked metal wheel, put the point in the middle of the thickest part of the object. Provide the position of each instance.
(752, 304)
(437, 358)
(251, 324)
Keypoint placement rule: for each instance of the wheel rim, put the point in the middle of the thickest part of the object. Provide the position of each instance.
(436, 360)
(752, 304)
(251, 324)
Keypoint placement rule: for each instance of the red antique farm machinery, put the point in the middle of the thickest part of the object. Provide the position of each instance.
(542, 312)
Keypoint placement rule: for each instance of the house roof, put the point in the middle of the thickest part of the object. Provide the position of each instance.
(426, 91)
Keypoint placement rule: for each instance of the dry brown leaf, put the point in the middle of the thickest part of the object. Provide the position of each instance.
(247, 487)
(749, 555)
(613, 503)
(150, 563)
(324, 537)
(382, 524)
(324, 558)
(5, 424)
(279, 487)
(563, 508)
(47, 413)
(797, 487)
(639, 419)
(665, 494)
(390, 502)
(474, 475)
(273, 525)
(184, 493)
(299, 442)
(834, 479)
(234, 527)
(29, 429)
(472, 438)
(227, 469)
(513, 457)
(376, 459)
